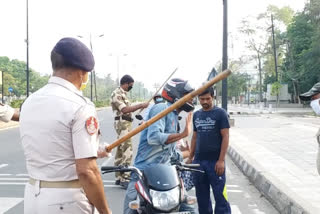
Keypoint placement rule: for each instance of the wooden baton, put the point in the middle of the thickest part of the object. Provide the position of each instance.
(171, 108)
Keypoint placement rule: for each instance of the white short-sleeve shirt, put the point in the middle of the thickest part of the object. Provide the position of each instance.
(6, 113)
(54, 131)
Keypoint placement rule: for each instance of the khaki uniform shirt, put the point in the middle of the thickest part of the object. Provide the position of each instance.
(6, 113)
(119, 100)
(57, 126)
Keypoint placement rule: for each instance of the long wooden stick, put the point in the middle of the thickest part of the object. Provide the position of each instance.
(160, 88)
(171, 108)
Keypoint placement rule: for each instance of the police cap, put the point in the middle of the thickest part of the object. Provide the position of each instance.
(75, 54)
(313, 91)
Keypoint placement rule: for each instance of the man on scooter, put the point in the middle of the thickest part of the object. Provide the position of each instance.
(157, 142)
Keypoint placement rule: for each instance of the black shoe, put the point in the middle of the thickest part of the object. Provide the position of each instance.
(124, 184)
(117, 182)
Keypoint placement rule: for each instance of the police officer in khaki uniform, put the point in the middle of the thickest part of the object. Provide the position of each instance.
(122, 108)
(7, 113)
(59, 134)
(313, 95)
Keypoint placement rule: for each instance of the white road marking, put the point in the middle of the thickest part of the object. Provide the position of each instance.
(14, 179)
(232, 185)
(5, 174)
(235, 209)
(233, 190)
(3, 165)
(12, 183)
(108, 181)
(26, 175)
(8, 203)
(113, 186)
(256, 211)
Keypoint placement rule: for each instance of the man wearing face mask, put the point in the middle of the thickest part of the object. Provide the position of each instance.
(158, 142)
(122, 108)
(59, 134)
(156, 99)
(313, 95)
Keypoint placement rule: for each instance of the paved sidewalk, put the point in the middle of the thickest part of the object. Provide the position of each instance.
(278, 154)
(255, 109)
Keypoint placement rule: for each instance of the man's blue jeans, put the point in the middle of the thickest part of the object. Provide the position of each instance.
(203, 181)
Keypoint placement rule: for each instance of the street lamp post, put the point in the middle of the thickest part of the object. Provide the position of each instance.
(93, 73)
(275, 56)
(274, 49)
(27, 42)
(260, 77)
(118, 65)
(225, 55)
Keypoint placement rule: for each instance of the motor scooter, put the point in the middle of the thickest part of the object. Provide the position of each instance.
(160, 190)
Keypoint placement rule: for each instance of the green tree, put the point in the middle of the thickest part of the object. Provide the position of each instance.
(255, 41)
(302, 62)
(106, 85)
(237, 84)
(15, 76)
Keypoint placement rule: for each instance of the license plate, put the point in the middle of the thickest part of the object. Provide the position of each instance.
(181, 213)
(178, 213)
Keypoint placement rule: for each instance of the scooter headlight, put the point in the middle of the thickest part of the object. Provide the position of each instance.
(165, 200)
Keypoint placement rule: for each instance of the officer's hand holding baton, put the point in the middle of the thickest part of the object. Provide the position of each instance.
(102, 152)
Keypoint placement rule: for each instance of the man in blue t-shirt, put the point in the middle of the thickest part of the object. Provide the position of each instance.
(209, 146)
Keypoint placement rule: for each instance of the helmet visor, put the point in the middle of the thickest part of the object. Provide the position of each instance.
(188, 88)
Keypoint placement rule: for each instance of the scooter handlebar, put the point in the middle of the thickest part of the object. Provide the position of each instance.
(182, 168)
(110, 168)
(192, 165)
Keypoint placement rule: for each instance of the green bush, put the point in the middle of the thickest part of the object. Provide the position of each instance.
(275, 88)
(102, 103)
(16, 103)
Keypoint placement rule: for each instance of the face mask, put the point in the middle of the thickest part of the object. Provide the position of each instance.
(159, 100)
(130, 87)
(315, 105)
(84, 84)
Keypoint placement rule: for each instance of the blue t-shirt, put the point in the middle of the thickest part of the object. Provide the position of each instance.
(208, 125)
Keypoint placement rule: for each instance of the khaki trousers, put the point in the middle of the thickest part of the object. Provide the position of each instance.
(56, 200)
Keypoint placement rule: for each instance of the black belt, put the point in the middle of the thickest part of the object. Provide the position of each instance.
(127, 118)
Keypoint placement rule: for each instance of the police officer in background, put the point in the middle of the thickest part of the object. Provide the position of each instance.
(7, 113)
(313, 95)
(59, 134)
(123, 124)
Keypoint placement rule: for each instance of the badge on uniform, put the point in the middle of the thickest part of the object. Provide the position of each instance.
(92, 125)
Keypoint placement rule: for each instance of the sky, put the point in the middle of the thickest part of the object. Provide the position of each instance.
(148, 39)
